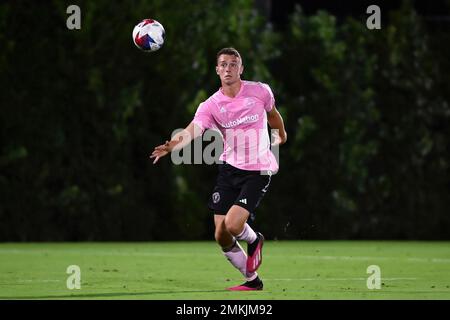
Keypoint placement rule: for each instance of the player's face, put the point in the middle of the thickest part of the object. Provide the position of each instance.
(229, 68)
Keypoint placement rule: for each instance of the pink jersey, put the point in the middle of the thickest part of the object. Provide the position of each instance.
(242, 121)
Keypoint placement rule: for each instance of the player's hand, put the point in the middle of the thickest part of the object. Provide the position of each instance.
(160, 151)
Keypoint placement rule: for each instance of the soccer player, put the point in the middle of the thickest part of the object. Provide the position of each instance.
(240, 110)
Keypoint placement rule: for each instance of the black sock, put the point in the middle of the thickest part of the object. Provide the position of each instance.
(251, 247)
(230, 247)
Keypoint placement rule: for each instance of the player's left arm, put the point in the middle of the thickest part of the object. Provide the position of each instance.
(276, 122)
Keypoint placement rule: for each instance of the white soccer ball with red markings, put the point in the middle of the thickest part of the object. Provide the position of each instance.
(148, 35)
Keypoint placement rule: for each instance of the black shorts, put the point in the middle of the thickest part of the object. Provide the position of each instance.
(238, 187)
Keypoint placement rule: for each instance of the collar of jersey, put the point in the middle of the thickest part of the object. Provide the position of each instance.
(237, 95)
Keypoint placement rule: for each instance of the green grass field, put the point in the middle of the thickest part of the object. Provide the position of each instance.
(197, 270)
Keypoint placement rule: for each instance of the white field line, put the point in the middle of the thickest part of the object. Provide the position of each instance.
(38, 280)
(266, 279)
(10, 282)
(190, 254)
(364, 258)
(435, 260)
(338, 279)
(282, 279)
(99, 252)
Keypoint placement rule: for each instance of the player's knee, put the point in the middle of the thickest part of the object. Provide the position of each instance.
(233, 227)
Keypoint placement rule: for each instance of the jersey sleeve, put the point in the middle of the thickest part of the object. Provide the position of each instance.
(267, 96)
(203, 116)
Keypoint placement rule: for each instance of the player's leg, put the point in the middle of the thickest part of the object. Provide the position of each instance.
(224, 195)
(230, 247)
(222, 199)
(236, 224)
(253, 188)
(236, 255)
(222, 236)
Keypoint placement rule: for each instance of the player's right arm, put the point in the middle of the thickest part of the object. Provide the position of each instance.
(178, 141)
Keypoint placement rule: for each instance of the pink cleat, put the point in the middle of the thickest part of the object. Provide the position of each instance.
(254, 258)
(253, 285)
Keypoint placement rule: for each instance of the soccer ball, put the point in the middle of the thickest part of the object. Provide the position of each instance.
(148, 35)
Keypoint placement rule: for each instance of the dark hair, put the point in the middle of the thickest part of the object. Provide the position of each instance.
(228, 51)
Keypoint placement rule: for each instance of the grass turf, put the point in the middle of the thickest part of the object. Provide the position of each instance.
(197, 270)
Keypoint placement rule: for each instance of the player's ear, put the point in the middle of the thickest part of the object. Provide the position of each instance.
(242, 69)
(217, 69)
